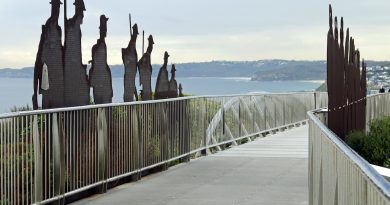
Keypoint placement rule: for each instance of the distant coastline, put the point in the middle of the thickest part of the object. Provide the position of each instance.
(22, 88)
(261, 70)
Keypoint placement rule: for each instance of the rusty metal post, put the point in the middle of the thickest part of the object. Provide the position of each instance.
(347, 85)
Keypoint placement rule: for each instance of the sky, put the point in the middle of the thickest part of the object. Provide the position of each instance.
(204, 30)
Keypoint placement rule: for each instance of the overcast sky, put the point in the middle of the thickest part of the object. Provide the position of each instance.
(204, 30)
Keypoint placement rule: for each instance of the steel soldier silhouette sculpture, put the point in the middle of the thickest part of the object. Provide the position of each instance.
(49, 81)
(38, 71)
(130, 60)
(173, 83)
(100, 73)
(75, 73)
(162, 84)
(180, 91)
(145, 71)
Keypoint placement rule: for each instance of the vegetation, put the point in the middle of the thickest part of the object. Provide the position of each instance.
(21, 108)
(4, 201)
(375, 145)
(153, 130)
(17, 156)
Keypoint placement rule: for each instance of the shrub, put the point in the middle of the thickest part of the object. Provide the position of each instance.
(356, 141)
(20, 108)
(375, 145)
(377, 148)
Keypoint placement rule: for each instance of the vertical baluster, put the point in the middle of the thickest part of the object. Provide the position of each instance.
(122, 142)
(93, 130)
(143, 125)
(171, 127)
(126, 128)
(89, 146)
(118, 139)
(85, 147)
(71, 152)
(154, 138)
(3, 181)
(130, 128)
(77, 148)
(23, 158)
(148, 133)
(17, 158)
(145, 136)
(30, 147)
(152, 135)
(115, 127)
(13, 159)
(130, 137)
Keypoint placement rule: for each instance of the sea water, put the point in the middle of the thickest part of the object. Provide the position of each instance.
(18, 91)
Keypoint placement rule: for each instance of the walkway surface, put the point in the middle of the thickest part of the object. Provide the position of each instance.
(269, 171)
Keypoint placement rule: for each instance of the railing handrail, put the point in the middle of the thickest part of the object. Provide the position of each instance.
(369, 172)
(376, 94)
(67, 109)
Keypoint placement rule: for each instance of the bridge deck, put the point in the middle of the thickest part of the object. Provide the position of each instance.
(271, 170)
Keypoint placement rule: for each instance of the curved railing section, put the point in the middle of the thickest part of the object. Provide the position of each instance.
(337, 174)
(50, 155)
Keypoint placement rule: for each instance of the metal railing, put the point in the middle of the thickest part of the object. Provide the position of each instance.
(337, 174)
(49, 155)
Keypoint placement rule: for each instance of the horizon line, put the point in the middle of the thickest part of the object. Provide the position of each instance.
(211, 61)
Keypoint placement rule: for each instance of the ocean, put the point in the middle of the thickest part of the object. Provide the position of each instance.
(18, 91)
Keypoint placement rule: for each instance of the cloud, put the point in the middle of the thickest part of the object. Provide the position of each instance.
(203, 30)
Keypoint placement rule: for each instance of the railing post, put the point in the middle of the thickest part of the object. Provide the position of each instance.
(185, 131)
(136, 133)
(102, 148)
(205, 123)
(223, 119)
(284, 110)
(165, 135)
(311, 158)
(38, 179)
(239, 119)
(59, 155)
(265, 112)
(275, 115)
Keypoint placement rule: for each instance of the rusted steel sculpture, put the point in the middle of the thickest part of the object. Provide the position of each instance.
(347, 85)
(130, 60)
(145, 71)
(100, 73)
(61, 77)
(162, 84)
(50, 53)
(180, 91)
(173, 84)
(75, 72)
(38, 71)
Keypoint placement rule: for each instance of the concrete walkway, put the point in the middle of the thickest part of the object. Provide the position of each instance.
(269, 171)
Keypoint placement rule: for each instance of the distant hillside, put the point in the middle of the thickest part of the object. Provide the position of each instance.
(293, 70)
(262, 70)
(17, 73)
(203, 69)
